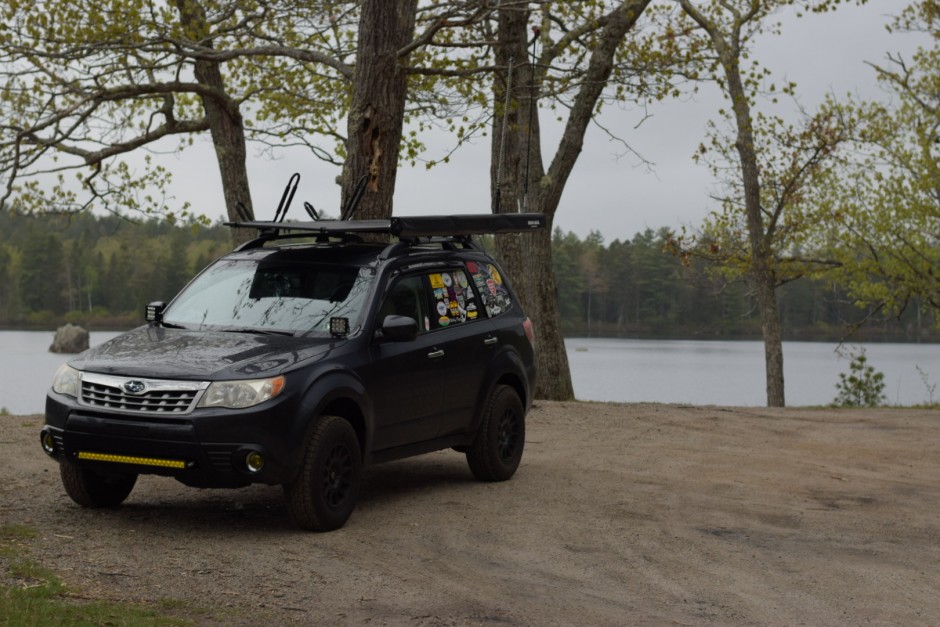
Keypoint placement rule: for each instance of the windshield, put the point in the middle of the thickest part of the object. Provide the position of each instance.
(276, 296)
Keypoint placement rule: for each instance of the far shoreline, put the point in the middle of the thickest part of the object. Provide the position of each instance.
(814, 336)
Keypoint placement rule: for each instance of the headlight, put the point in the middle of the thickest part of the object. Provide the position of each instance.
(68, 381)
(241, 394)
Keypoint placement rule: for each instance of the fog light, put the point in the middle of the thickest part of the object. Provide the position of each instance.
(48, 444)
(254, 461)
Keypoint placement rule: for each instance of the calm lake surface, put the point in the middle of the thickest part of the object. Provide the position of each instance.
(732, 373)
(663, 371)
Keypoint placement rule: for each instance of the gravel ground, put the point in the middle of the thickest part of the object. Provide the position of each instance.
(619, 514)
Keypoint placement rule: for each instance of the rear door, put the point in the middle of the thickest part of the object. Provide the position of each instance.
(463, 333)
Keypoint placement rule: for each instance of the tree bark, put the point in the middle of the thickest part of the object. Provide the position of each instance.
(226, 125)
(520, 183)
(376, 114)
(761, 270)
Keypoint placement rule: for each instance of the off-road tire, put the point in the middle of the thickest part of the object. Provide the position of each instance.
(90, 488)
(324, 494)
(497, 449)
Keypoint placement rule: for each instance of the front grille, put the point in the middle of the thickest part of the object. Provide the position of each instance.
(115, 398)
(158, 397)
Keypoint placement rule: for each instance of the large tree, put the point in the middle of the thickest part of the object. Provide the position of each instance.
(519, 178)
(87, 86)
(377, 111)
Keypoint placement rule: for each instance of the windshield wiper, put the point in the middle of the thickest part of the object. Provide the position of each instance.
(171, 325)
(256, 331)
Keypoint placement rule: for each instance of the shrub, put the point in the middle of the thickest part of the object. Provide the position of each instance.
(862, 386)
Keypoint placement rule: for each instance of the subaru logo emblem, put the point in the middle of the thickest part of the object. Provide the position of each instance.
(135, 387)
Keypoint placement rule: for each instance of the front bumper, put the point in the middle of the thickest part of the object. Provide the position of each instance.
(205, 448)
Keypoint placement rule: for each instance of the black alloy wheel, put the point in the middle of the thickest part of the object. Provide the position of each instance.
(324, 494)
(497, 449)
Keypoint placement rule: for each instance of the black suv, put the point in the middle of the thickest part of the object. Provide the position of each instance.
(302, 356)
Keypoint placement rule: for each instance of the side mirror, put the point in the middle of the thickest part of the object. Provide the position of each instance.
(398, 329)
(154, 312)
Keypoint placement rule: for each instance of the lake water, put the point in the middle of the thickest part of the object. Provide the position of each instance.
(27, 368)
(663, 371)
(732, 373)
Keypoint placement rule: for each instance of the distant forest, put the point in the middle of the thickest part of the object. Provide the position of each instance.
(96, 271)
(100, 271)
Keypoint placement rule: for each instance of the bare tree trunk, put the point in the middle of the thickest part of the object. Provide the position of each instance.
(376, 115)
(226, 125)
(519, 181)
(761, 272)
(516, 155)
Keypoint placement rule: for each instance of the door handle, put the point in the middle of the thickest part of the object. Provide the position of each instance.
(490, 341)
(436, 354)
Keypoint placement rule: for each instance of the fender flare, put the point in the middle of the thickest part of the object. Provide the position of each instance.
(335, 392)
(506, 363)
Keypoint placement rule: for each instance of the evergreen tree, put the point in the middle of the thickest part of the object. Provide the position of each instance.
(42, 284)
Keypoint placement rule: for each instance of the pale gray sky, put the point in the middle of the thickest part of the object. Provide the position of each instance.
(821, 53)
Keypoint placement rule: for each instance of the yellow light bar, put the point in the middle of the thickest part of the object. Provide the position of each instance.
(127, 459)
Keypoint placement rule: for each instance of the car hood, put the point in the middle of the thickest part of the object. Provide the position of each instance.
(157, 352)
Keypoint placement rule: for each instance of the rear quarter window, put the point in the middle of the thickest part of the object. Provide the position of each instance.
(493, 291)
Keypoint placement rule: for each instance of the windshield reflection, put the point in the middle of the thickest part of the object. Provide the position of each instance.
(271, 296)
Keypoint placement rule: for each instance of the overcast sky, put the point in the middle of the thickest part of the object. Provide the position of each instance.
(611, 194)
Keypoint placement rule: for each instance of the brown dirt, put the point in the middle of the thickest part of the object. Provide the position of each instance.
(619, 514)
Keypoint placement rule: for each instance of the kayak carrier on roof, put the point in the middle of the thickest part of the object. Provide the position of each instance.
(406, 227)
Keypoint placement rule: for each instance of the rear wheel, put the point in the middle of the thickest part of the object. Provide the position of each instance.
(497, 449)
(324, 494)
(90, 488)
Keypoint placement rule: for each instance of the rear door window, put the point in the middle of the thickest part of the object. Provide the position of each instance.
(453, 300)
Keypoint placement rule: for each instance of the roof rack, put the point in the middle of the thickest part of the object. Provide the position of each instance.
(408, 227)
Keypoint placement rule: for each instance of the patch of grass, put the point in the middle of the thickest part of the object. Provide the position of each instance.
(13, 535)
(17, 532)
(42, 604)
(31, 594)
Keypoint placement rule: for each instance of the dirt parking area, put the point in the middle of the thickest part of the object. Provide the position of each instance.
(619, 514)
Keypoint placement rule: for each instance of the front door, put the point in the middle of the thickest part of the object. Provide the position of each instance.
(406, 395)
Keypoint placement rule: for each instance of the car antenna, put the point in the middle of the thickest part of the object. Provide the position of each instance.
(353, 200)
(287, 197)
(311, 211)
(532, 97)
(502, 133)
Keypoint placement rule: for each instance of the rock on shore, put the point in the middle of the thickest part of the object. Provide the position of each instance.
(69, 339)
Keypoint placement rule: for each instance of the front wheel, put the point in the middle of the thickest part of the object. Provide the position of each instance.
(90, 488)
(324, 494)
(497, 449)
